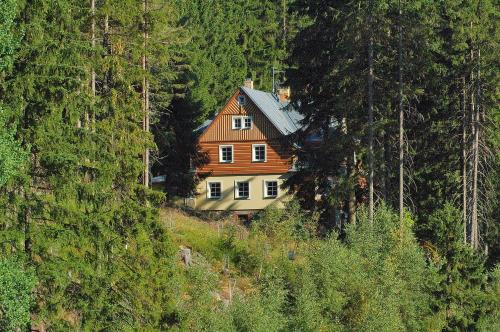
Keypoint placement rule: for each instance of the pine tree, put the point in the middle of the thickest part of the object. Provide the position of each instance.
(12, 157)
(460, 298)
(86, 224)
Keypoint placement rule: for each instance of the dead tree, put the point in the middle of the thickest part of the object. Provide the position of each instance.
(145, 94)
(370, 110)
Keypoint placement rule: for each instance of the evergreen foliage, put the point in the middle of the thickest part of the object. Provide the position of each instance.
(16, 298)
(379, 280)
(88, 227)
(442, 45)
(95, 255)
(230, 42)
(461, 296)
(12, 156)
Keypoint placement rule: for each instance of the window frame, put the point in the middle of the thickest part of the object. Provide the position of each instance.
(254, 159)
(209, 191)
(241, 99)
(236, 190)
(243, 125)
(233, 122)
(242, 119)
(220, 154)
(266, 195)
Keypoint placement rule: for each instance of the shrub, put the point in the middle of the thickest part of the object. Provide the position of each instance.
(16, 286)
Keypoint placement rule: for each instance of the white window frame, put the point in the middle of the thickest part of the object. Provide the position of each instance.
(233, 123)
(242, 122)
(236, 192)
(254, 159)
(232, 154)
(277, 188)
(243, 118)
(209, 193)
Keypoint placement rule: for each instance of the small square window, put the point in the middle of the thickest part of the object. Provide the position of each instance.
(214, 190)
(241, 100)
(247, 122)
(242, 190)
(237, 122)
(226, 153)
(259, 152)
(270, 188)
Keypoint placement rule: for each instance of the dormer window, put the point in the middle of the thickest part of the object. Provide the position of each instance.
(241, 100)
(242, 122)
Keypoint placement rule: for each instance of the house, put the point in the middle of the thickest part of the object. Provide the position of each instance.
(247, 162)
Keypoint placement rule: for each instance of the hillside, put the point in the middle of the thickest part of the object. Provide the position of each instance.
(234, 252)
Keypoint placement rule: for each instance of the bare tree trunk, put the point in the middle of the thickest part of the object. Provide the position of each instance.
(370, 110)
(145, 96)
(284, 25)
(401, 118)
(476, 124)
(351, 205)
(464, 158)
(93, 75)
(107, 46)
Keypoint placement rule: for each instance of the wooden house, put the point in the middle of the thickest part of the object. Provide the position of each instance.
(247, 160)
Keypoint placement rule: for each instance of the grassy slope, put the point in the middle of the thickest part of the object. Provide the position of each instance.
(206, 238)
(226, 239)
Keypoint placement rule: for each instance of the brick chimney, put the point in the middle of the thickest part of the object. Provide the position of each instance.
(283, 94)
(248, 83)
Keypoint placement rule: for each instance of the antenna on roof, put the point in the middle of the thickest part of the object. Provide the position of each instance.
(275, 71)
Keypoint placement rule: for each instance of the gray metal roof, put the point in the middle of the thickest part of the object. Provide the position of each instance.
(283, 117)
(201, 128)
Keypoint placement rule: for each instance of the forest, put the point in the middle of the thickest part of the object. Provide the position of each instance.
(394, 223)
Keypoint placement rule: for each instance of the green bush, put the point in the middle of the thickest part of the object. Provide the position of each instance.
(16, 285)
(377, 281)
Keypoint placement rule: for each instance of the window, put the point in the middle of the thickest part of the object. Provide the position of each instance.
(270, 188)
(242, 122)
(259, 152)
(241, 100)
(236, 122)
(247, 122)
(242, 190)
(226, 153)
(214, 190)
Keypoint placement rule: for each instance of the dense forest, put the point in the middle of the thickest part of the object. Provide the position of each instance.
(394, 225)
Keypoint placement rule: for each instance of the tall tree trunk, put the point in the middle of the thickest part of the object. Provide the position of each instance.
(401, 117)
(370, 110)
(351, 204)
(145, 96)
(284, 25)
(473, 150)
(93, 75)
(464, 157)
(107, 46)
(476, 124)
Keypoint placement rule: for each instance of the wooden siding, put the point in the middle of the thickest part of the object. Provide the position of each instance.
(278, 160)
(220, 130)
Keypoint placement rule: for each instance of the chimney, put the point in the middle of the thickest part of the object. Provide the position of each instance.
(283, 94)
(248, 83)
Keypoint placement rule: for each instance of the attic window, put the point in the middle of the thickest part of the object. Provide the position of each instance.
(237, 122)
(242, 122)
(241, 100)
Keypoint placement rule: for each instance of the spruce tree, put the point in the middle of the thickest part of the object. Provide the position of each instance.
(88, 227)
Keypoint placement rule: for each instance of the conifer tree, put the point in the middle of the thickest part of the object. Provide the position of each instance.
(11, 154)
(86, 224)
